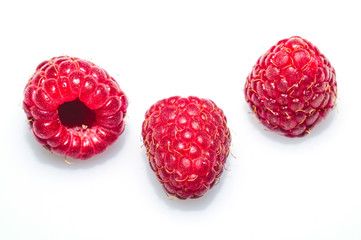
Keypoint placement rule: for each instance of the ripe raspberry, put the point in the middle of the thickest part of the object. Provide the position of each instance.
(187, 141)
(74, 107)
(292, 87)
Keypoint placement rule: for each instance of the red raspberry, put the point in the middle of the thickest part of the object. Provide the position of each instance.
(74, 107)
(187, 141)
(292, 87)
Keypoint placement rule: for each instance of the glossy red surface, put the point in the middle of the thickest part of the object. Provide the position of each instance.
(187, 141)
(74, 107)
(291, 87)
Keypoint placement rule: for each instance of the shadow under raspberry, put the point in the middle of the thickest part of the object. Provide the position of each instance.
(198, 204)
(47, 157)
(316, 131)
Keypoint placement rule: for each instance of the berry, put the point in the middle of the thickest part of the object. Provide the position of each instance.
(187, 142)
(292, 87)
(74, 107)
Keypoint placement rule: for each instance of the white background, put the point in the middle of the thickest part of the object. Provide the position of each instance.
(274, 187)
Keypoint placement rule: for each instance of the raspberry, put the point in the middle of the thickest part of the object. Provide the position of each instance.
(292, 87)
(187, 142)
(74, 107)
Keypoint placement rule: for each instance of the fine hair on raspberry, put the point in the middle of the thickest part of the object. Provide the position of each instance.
(187, 143)
(74, 107)
(292, 87)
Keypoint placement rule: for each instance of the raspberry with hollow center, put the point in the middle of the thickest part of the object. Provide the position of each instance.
(74, 107)
(187, 141)
(292, 87)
